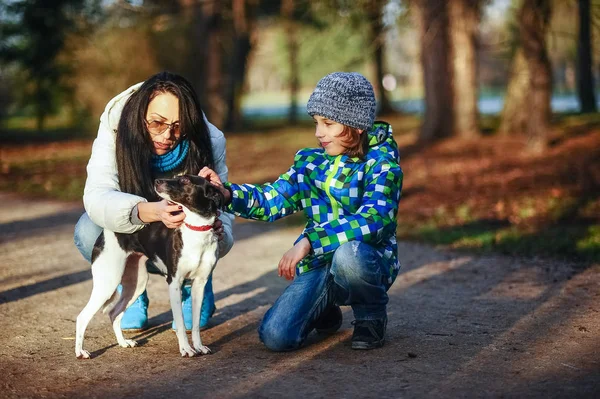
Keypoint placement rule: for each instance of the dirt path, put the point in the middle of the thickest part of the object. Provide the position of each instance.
(460, 325)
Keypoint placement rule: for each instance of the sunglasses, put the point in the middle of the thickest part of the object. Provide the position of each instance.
(156, 128)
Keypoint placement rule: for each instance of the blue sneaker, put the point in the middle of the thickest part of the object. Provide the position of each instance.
(208, 305)
(135, 316)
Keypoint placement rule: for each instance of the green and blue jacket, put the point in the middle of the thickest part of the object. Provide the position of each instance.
(343, 199)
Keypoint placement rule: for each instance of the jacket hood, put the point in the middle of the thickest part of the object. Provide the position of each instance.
(380, 132)
(382, 143)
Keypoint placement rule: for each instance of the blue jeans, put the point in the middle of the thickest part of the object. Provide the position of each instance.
(357, 277)
(86, 234)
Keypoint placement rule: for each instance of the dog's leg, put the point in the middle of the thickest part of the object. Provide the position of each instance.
(134, 280)
(208, 261)
(175, 297)
(197, 297)
(107, 270)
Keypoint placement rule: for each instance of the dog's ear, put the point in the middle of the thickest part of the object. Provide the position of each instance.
(215, 195)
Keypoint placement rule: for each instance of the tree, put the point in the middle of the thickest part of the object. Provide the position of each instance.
(438, 120)
(374, 11)
(515, 112)
(291, 30)
(204, 63)
(449, 59)
(244, 18)
(465, 16)
(585, 78)
(534, 19)
(33, 37)
(527, 102)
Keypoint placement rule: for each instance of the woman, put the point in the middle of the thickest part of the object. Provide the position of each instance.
(153, 129)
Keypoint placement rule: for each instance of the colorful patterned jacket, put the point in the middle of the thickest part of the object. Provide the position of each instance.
(343, 199)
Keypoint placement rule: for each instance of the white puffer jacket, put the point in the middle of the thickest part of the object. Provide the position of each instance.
(110, 208)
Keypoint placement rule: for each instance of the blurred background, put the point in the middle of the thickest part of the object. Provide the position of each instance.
(493, 102)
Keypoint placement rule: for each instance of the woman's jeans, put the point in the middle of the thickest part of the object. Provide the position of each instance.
(86, 234)
(357, 277)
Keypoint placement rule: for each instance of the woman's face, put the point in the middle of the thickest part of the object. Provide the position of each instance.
(162, 122)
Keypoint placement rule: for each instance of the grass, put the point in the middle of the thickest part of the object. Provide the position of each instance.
(486, 196)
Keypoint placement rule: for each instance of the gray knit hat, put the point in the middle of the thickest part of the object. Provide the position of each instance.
(344, 97)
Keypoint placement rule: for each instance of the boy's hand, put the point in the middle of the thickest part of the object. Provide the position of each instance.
(211, 176)
(287, 264)
(218, 228)
(214, 179)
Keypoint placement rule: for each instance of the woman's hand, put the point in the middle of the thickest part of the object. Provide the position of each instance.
(163, 211)
(287, 264)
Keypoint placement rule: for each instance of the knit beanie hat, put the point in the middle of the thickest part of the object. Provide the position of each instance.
(344, 97)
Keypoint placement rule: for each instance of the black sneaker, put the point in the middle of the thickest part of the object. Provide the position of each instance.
(368, 334)
(330, 321)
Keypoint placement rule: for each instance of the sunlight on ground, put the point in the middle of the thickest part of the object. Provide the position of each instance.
(567, 347)
(234, 299)
(425, 272)
(519, 285)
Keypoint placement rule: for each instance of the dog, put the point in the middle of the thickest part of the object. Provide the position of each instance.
(187, 252)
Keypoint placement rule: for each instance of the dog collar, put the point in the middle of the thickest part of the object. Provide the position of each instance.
(206, 227)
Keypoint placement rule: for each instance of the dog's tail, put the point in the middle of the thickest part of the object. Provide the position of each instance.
(111, 301)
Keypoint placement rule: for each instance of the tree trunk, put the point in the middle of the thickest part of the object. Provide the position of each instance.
(377, 31)
(585, 78)
(204, 66)
(515, 112)
(291, 30)
(213, 79)
(243, 20)
(40, 105)
(464, 19)
(534, 18)
(438, 120)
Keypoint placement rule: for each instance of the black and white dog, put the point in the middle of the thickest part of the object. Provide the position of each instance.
(187, 252)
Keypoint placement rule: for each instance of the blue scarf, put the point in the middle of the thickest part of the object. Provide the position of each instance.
(172, 159)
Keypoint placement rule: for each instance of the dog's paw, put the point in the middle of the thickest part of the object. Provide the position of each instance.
(205, 350)
(83, 354)
(128, 343)
(187, 351)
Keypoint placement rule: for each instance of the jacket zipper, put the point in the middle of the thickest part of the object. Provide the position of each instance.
(334, 204)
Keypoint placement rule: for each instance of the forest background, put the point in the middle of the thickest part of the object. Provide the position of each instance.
(493, 102)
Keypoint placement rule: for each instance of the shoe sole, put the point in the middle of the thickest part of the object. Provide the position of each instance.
(134, 329)
(367, 345)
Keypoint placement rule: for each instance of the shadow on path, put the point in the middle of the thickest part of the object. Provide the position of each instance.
(457, 327)
(44, 286)
(37, 226)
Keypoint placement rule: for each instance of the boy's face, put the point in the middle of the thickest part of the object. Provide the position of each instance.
(329, 134)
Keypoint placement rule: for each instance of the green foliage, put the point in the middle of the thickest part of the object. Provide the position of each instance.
(34, 33)
(336, 47)
(589, 246)
(61, 177)
(573, 241)
(333, 37)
